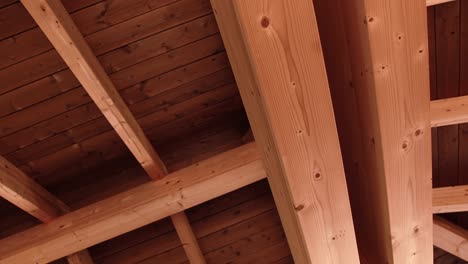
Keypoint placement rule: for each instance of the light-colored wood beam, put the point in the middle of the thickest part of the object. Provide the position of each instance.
(387, 42)
(187, 238)
(135, 208)
(437, 2)
(60, 29)
(449, 111)
(450, 199)
(58, 26)
(274, 49)
(28, 195)
(451, 238)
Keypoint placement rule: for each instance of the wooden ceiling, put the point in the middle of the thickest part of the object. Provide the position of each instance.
(168, 62)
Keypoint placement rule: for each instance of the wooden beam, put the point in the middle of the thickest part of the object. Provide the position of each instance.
(450, 199)
(25, 193)
(388, 50)
(28, 195)
(449, 111)
(187, 238)
(274, 49)
(81, 257)
(60, 29)
(248, 136)
(135, 208)
(437, 2)
(451, 238)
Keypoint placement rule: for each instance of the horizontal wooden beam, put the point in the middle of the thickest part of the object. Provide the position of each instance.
(449, 111)
(135, 208)
(450, 199)
(451, 238)
(436, 2)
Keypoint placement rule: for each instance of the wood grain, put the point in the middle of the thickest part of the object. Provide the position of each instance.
(450, 238)
(56, 23)
(25, 193)
(388, 47)
(277, 60)
(450, 199)
(449, 111)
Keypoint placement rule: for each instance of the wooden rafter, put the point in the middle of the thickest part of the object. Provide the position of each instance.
(135, 208)
(451, 238)
(58, 26)
(60, 29)
(450, 199)
(28, 195)
(275, 53)
(387, 42)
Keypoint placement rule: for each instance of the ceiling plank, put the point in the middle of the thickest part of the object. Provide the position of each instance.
(388, 51)
(451, 238)
(450, 199)
(275, 53)
(54, 20)
(135, 208)
(28, 195)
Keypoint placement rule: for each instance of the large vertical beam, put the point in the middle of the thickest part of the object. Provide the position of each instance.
(28, 195)
(388, 49)
(274, 49)
(60, 29)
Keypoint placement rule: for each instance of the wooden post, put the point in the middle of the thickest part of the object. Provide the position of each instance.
(387, 45)
(274, 49)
